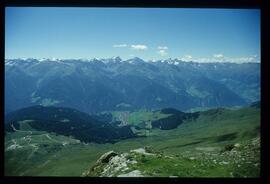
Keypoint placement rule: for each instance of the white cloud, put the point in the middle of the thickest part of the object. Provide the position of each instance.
(221, 58)
(244, 59)
(204, 60)
(120, 45)
(218, 56)
(162, 48)
(139, 47)
(162, 52)
(186, 58)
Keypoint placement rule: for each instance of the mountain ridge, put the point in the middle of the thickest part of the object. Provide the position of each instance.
(117, 85)
(119, 59)
(67, 122)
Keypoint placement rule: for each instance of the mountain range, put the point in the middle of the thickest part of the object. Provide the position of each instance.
(113, 84)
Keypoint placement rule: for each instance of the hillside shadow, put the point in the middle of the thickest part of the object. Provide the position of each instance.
(226, 137)
(183, 145)
(220, 138)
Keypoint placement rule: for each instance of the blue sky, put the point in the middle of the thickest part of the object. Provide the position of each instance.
(188, 34)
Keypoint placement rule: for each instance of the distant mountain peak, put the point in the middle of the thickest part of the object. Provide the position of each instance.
(117, 58)
(135, 60)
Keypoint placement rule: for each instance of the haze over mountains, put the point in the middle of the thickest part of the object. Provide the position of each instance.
(98, 85)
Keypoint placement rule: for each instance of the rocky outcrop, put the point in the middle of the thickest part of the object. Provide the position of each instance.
(237, 159)
(135, 173)
(112, 164)
(141, 151)
(105, 158)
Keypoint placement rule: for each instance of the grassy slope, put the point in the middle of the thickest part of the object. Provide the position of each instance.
(241, 161)
(207, 132)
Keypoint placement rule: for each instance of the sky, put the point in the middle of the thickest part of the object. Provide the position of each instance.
(202, 35)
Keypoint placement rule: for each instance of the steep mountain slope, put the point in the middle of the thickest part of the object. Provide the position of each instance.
(68, 122)
(114, 85)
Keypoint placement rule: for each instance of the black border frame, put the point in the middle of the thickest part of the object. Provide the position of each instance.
(139, 3)
(234, 4)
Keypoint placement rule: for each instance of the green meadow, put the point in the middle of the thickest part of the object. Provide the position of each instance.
(35, 153)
